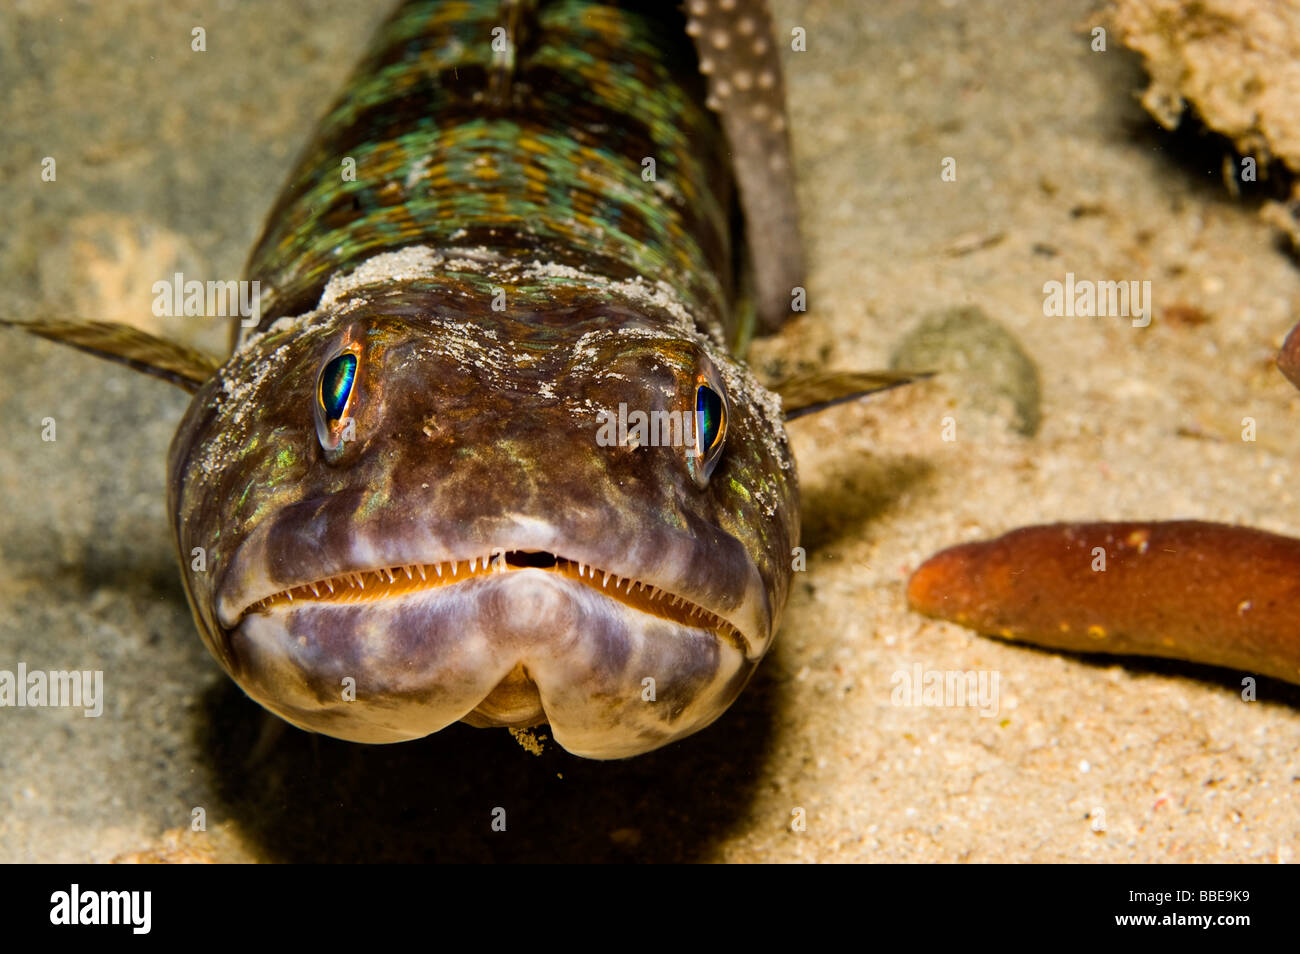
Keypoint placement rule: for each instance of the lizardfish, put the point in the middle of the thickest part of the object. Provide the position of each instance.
(489, 451)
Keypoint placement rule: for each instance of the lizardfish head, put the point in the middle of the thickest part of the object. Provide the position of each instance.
(408, 509)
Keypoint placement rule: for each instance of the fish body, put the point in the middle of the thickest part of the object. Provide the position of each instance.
(472, 257)
(489, 451)
(411, 486)
(538, 154)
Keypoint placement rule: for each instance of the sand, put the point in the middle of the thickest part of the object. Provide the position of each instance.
(168, 160)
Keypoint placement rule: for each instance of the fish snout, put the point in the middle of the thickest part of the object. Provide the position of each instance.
(515, 648)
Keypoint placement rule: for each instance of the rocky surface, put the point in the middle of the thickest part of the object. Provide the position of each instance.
(1234, 65)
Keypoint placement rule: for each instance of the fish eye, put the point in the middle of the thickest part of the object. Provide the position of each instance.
(710, 429)
(336, 380)
(334, 397)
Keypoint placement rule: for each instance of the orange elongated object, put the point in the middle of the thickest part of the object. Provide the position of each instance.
(1204, 592)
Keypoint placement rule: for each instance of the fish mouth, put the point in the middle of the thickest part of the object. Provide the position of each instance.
(350, 588)
(620, 641)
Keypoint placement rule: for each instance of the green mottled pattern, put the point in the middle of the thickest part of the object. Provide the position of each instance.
(554, 174)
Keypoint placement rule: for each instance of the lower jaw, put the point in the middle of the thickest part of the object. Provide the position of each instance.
(515, 703)
(515, 649)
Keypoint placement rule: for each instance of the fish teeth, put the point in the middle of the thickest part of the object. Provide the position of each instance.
(330, 584)
(409, 575)
(436, 566)
(420, 567)
(314, 589)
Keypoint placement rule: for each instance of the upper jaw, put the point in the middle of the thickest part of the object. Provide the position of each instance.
(315, 540)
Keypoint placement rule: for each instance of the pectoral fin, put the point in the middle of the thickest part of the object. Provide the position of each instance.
(174, 363)
(810, 393)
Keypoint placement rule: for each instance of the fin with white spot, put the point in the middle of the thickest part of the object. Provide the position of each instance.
(737, 50)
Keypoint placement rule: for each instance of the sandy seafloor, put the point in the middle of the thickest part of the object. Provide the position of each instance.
(169, 159)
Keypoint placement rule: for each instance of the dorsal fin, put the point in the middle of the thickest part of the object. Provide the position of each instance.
(517, 20)
(174, 363)
(738, 53)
